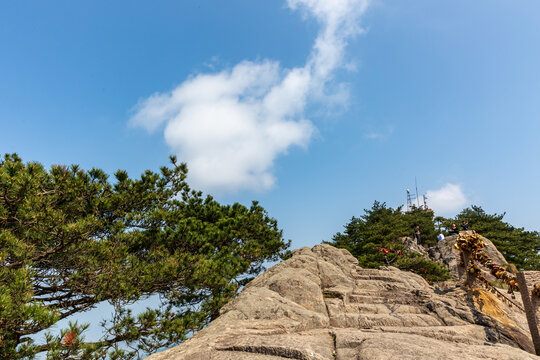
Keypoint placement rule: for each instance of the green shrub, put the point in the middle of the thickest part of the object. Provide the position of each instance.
(429, 270)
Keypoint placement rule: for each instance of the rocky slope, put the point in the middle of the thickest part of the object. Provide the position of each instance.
(320, 305)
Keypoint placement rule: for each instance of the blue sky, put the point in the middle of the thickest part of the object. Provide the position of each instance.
(316, 108)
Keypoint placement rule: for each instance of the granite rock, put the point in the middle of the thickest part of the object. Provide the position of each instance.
(320, 305)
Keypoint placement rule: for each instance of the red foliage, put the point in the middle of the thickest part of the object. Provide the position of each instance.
(68, 339)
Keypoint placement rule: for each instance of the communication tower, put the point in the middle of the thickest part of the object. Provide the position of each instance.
(412, 198)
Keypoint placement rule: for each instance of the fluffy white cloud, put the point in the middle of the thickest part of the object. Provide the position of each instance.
(230, 126)
(447, 200)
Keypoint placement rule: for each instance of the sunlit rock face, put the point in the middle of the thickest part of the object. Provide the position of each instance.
(445, 253)
(320, 305)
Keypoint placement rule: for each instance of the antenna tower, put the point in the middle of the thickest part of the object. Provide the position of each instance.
(417, 198)
(410, 199)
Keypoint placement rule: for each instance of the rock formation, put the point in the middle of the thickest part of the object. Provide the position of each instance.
(445, 253)
(320, 305)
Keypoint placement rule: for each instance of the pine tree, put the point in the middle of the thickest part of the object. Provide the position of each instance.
(71, 239)
(519, 247)
(373, 239)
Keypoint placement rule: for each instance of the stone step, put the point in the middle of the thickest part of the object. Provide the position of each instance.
(378, 298)
(368, 321)
(371, 285)
(338, 307)
(379, 277)
(382, 308)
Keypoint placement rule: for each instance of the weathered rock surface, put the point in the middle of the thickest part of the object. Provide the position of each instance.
(445, 253)
(320, 305)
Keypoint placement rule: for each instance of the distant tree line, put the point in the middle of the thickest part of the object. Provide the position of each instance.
(519, 246)
(373, 238)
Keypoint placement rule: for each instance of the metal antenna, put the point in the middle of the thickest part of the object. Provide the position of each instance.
(416, 186)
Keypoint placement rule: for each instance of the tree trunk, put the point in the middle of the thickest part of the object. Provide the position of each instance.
(529, 311)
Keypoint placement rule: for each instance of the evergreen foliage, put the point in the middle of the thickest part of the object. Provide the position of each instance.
(416, 263)
(424, 218)
(519, 247)
(71, 239)
(373, 239)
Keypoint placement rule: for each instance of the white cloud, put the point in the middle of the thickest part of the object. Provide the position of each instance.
(231, 125)
(447, 200)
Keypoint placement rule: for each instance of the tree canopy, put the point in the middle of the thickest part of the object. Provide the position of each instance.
(519, 247)
(71, 239)
(373, 239)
